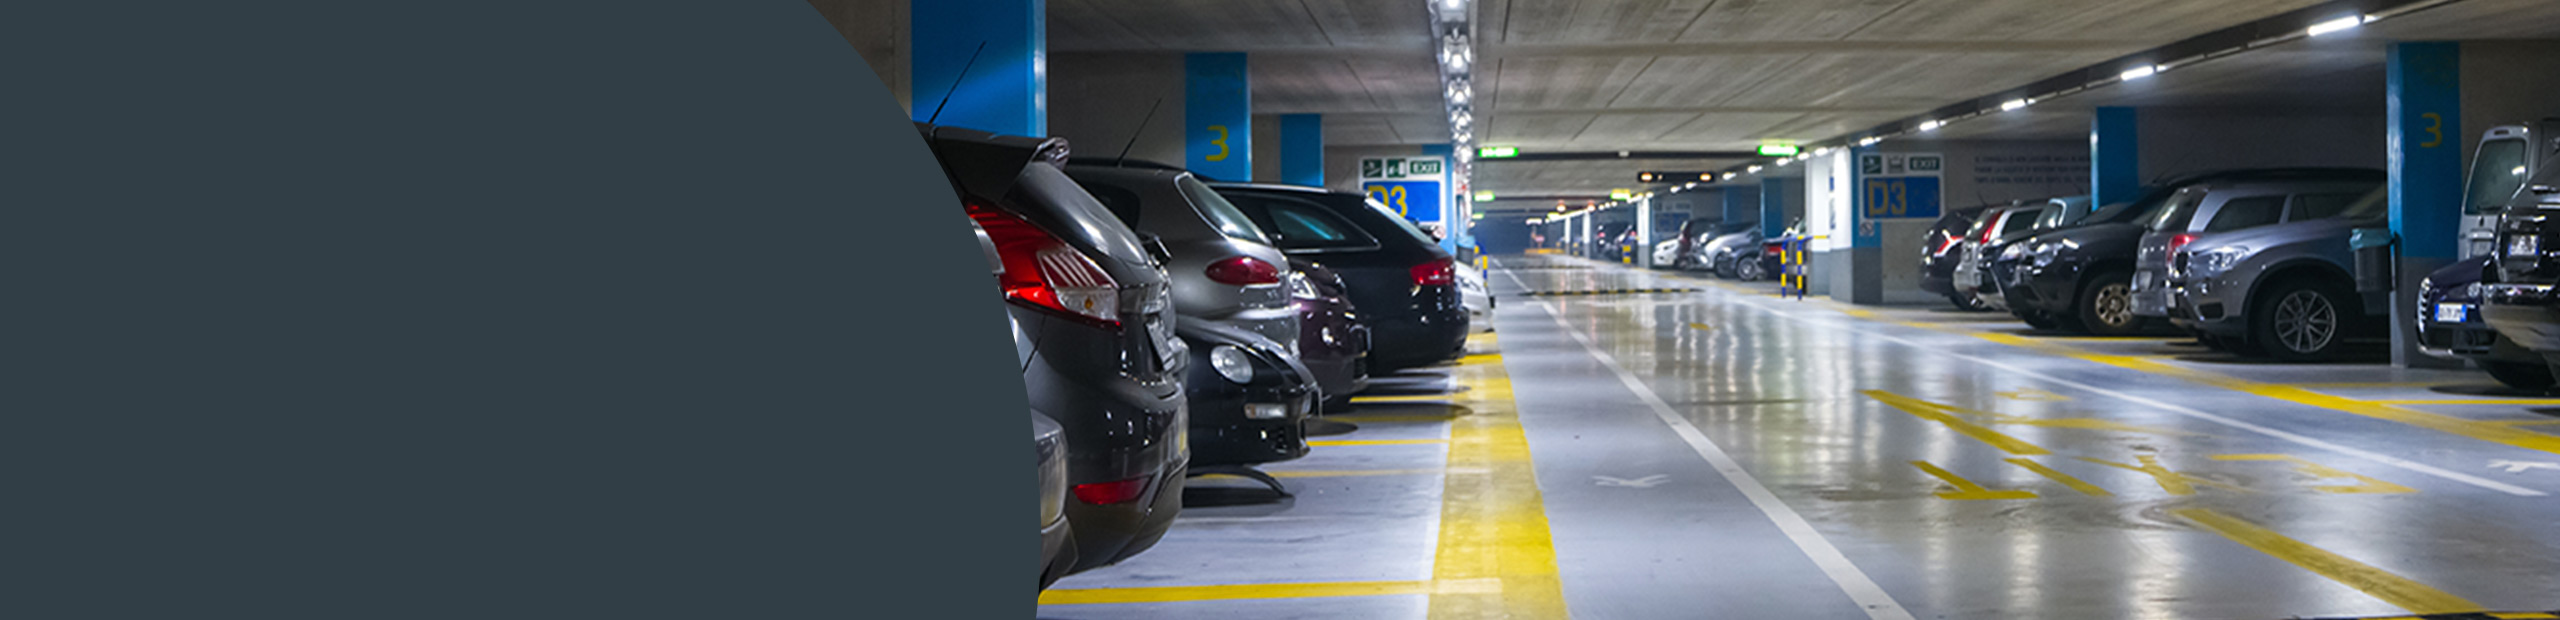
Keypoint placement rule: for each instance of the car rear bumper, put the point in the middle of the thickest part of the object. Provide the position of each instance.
(1415, 341)
(2528, 315)
(1057, 551)
(2197, 307)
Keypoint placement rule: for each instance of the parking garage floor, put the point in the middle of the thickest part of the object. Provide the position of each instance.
(1650, 444)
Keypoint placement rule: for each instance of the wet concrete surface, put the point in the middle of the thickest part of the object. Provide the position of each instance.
(1728, 453)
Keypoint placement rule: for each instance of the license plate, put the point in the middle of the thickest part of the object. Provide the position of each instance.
(2453, 313)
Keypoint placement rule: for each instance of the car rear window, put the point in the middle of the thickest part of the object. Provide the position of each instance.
(2180, 210)
(2015, 221)
(2319, 206)
(1220, 213)
(1400, 223)
(1120, 201)
(2248, 212)
(1296, 224)
(2495, 177)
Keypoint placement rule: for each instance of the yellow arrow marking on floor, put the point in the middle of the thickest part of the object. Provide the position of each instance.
(1966, 489)
(1944, 414)
(2393, 589)
(2173, 482)
(2067, 480)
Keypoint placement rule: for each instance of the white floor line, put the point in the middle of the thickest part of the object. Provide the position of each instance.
(2411, 466)
(1853, 582)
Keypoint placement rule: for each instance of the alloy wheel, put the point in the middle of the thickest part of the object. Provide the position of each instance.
(2115, 305)
(2305, 321)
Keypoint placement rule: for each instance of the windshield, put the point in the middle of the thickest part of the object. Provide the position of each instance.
(1230, 222)
(2374, 205)
(2495, 176)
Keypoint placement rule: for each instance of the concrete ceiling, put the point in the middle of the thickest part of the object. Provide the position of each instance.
(1726, 75)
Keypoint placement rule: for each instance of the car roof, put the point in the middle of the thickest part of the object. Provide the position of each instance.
(1278, 187)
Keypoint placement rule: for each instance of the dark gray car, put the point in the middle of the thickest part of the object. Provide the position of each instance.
(2287, 289)
(1223, 268)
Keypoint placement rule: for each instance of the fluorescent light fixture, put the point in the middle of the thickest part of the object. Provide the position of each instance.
(1931, 125)
(2342, 23)
(1753, 170)
(1870, 141)
(1823, 151)
(1484, 196)
(2140, 72)
(1732, 175)
(2013, 105)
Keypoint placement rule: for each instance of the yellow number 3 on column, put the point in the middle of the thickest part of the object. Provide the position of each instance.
(1221, 142)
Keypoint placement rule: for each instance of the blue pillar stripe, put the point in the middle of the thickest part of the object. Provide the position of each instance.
(2114, 156)
(1218, 106)
(1741, 203)
(2423, 94)
(1302, 149)
(1006, 90)
(1864, 232)
(1773, 207)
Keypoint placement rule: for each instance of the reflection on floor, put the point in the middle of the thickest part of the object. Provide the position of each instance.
(1668, 445)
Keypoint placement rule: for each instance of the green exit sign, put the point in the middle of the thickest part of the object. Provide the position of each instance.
(1778, 150)
(1498, 152)
(1484, 196)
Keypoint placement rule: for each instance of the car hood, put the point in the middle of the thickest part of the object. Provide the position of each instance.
(2279, 234)
(2459, 274)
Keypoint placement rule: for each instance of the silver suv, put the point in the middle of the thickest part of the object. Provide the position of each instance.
(2287, 289)
(2225, 206)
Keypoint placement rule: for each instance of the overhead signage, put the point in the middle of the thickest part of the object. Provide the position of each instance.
(1778, 150)
(1895, 186)
(1414, 187)
(1498, 152)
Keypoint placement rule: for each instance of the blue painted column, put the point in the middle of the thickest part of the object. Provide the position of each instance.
(2115, 173)
(1302, 149)
(1218, 104)
(1006, 89)
(1453, 226)
(1773, 207)
(1741, 203)
(2423, 101)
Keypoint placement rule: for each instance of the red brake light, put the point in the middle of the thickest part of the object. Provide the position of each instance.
(1042, 271)
(1438, 272)
(1244, 271)
(2180, 241)
(1117, 492)
(1949, 244)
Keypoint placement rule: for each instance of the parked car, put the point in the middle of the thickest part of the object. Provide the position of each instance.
(2525, 265)
(2221, 205)
(1250, 397)
(1332, 342)
(1224, 269)
(1477, 298)
(1967, 276)
(1938, 254)
(2286, 288)
(2025, 220)
(2086, 272)
(1099, 353)
(1404, 285)
(2452, 326)
(1726, 250)
(1666, 252)
(1049, 456)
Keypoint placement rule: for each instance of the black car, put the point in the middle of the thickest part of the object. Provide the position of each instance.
(1939, 254)
(1404, 285)
(2072, 274)
(1249, 397)
(1096, 310)
(1057, 538)
(2450, 326)
(2522, 303)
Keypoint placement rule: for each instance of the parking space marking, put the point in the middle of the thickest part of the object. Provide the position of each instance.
(2366, 484)
(1853, 582)
(1376, 442)
(1944, 414)
(2055, 475)
(2394, 589)
(1968, 490)
(1494, 538)
(1177, 594)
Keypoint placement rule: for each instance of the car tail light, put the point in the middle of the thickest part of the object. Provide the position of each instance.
(2180, 241)
(1438, 272)
(1773, 248)
(1045, 272)
(1244, 271)
(1116, 492)
(1949, 244)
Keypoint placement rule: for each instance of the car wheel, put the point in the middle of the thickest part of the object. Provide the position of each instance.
(2106, 305)
(1746, 270)
(2520, 375)
(1724, 267)
(1967, 303)
(2300, 321)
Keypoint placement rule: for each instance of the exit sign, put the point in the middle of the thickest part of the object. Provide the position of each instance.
(1498, 152)
(1779, 150)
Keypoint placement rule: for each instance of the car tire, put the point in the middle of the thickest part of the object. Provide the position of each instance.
(2105, 306)
(2039, 320)
(2525, 376)
(1724, 267)
(1746, 270)
(2302, 320)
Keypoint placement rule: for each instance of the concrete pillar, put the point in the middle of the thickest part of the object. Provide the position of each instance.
(1742, 203)
(2114, 157)
(1217, 109)
(1862, 266)
(1302, 149)
(2423, 92)
(1644, 232)
(1003, 48)
(1773, 207)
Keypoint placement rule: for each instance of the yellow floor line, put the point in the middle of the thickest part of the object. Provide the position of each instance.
(1943, 414)
(1377, 442)
(2394, 589)
(2067, 480)
(1171, 594)
(1493, 522)
(1967, 489)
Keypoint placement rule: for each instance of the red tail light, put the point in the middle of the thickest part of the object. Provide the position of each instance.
(1773, 248)
(1244, 271)
(1105, 493)
(1438, 272)
(1949, 244)
(2180, 241)
(1042, 271)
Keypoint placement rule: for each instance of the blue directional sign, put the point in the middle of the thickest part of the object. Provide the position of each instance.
(1415, 200)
